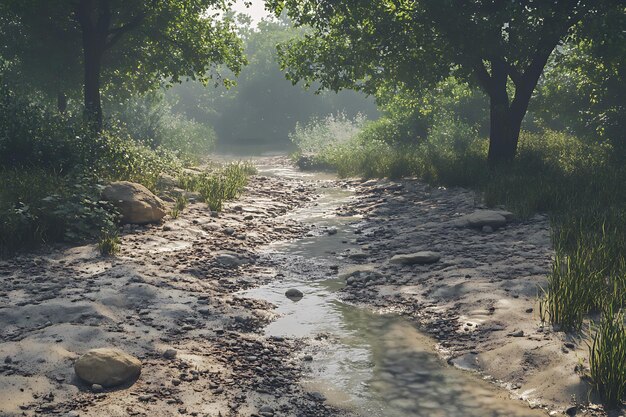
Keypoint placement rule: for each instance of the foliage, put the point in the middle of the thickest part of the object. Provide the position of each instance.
(501, 47)
(120, 46)
(263, 107)
(37, 205)
(582, 92)
(51, 171)
(150, 120)
(321, 133)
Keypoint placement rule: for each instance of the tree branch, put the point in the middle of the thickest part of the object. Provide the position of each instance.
(118, 32)
(484, 79)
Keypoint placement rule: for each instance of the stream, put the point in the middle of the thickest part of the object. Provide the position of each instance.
(369, 364)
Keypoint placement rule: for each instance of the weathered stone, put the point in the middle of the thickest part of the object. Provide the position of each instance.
(231, 259)
(294, 294)
(423, 257)
(136, 203)
(492, 218)
(107, 367)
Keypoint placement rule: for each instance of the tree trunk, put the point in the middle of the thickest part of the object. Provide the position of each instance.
(93, 104)
(506, 123)
(94, 17)
(61, 102)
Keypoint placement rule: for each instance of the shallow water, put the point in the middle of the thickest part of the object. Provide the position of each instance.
(375, 365)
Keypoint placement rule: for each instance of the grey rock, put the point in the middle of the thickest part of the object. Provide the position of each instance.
(417, 258)
(492, 218)
(487, 229)
(231, 259)
(294, 294)
(170, 353)
(358, 256)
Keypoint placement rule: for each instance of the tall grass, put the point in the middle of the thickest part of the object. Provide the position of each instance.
(219, 186)
(607, 356)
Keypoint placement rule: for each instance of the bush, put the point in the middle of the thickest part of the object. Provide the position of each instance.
(151, 122)
(52, 170)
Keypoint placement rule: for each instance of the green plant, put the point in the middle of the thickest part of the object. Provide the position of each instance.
(181, 202)
(607, 356)
(109, 242)
(220, 185)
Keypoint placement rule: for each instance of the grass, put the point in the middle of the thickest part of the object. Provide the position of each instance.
(180, 204)
(109, 242)
(220, 185)
(580, 185)
(607, 356)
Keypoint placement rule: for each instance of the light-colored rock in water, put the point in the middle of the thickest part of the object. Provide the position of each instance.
(423, 257)
(107, 367)
(135, 202)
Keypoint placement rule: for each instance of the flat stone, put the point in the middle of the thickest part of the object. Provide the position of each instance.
(492, 218)
(231, 259)
(417, 258)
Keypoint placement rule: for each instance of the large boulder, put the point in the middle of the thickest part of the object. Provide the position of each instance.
(107, 367)
(135, 202)
(417, 258)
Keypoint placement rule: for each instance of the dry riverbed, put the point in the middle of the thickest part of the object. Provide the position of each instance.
(177, 288)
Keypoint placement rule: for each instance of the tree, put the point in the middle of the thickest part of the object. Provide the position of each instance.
(500, 46)
(129, 44)
(263, 108)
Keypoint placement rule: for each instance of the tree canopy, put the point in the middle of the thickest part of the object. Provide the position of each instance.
(501, 47)
(119, 45)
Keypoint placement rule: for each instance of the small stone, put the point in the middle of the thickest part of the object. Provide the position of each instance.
(307, 358)
(229, 231)
(332, 231)
(517, 333)
(97, 388)
(176, 382)
(487, 229)
(294, 294)
(170, 353)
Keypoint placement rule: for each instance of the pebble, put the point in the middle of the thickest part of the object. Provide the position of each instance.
(170, 354)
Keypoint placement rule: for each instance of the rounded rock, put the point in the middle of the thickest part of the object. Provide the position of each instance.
(107, 367)
(294, 294)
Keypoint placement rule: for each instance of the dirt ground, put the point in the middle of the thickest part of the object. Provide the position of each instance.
(173, 287)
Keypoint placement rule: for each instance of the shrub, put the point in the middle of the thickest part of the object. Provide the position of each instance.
(150, 121)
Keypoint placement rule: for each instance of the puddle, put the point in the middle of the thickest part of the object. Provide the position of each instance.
(371, 364)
